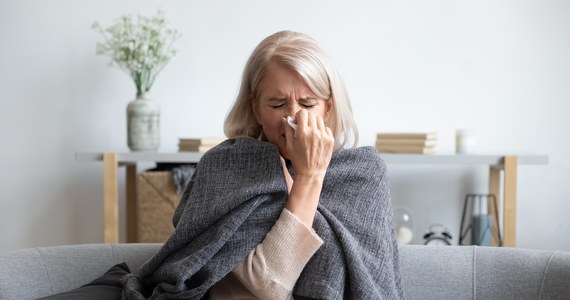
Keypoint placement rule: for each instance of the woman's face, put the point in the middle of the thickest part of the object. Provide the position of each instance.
(283, 93)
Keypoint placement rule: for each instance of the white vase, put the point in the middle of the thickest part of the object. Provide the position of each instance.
(143, 124)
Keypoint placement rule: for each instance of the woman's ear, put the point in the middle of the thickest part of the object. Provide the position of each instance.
(328, 107)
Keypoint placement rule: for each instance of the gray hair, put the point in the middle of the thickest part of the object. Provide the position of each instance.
(299, 53)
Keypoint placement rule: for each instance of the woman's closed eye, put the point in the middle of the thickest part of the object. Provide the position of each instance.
(282, 106)
(308, 102)
(277, 102)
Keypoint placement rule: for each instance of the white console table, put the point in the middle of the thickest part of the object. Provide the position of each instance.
(507, 164)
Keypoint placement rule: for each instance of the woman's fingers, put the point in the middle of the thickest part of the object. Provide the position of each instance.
(310, 147)
(321, 125)
(330, 133)
(312, 120)
(302, 119)
(289, 137)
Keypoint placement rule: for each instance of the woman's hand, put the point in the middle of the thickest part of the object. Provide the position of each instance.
(310, 151)
(310, 147)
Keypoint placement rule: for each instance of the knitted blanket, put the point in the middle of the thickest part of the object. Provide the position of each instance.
(235, 196)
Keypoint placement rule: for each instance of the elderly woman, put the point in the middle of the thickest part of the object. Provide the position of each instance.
(287, 206)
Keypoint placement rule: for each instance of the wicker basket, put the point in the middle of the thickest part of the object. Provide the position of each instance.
(156, 201)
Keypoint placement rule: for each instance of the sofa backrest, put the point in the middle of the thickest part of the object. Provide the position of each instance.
(471, 272)
(451, 272)
(43, 271)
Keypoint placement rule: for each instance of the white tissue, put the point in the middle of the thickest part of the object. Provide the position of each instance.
(290, 121)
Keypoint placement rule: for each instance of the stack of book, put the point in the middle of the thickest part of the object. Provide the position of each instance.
(406, 142)
(198, 144)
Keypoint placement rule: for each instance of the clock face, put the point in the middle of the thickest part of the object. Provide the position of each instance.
(436, 241)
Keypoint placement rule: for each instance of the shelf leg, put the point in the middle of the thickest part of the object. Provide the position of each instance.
(131, 203)
(510, 200)
(495, 189)
(110, 198)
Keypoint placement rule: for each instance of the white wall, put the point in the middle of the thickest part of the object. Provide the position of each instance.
(502, 67)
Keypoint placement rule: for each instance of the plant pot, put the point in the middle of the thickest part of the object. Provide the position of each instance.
(143, 124)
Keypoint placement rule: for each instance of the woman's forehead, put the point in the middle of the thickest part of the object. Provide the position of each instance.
(283, 82)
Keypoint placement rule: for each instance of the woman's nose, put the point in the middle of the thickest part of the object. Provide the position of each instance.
(292, 110)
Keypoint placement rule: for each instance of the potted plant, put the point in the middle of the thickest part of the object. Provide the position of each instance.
(141, 46)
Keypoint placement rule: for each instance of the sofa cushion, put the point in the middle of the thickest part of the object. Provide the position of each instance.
(107, 286)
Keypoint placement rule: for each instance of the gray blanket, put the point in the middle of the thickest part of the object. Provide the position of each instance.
(235, 196)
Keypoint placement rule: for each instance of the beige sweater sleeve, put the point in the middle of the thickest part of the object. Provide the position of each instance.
(272, 268)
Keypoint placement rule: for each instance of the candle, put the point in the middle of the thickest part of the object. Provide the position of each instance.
(465, 141)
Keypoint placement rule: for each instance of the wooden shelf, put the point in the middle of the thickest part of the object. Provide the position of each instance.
(507, 164)
(461, 159)
(397, 159)
(136, 157)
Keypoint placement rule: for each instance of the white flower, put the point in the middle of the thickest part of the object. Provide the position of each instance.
(141, 48)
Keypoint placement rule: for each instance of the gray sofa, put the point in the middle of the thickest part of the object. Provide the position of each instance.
(453, 272)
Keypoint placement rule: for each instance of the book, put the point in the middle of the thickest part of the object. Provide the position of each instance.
(194, 148)
(203, 141)
(404, 149)
(411, 135)
(201, 144)
(407, 142)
